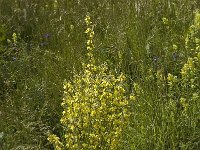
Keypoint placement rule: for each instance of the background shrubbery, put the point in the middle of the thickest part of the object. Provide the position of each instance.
(154, 43)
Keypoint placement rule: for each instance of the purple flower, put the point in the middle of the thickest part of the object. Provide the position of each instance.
(46, 35)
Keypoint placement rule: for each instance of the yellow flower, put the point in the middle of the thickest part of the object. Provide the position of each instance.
(97, 105)
(56, 141)
(88, 30)
(14, 36)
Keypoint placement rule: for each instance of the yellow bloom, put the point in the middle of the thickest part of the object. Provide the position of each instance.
(97, 105)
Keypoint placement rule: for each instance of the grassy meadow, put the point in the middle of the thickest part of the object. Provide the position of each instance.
(99, 74)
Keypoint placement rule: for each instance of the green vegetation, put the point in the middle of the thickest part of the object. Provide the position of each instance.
(133, 85)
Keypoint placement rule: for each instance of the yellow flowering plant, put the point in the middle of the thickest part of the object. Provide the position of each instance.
(192, 40)
(96, 106)
(186, 85)
(186, 89)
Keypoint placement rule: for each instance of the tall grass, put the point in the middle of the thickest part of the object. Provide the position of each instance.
(146, 40)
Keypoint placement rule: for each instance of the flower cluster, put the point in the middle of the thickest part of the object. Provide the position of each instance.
(96, 106)
(171, 79)
(187, 86)
(192, 41)
(90, 34)
(95, 109)
(190, 73)
(56, 140)
(14, 36)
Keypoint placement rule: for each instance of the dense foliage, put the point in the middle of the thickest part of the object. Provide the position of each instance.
(155, 44)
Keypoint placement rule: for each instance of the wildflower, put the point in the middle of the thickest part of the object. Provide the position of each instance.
(88, 30)
(46, 35)
(175, 47)
(171, 79)
(14, 37)
(55, 140)
(55, 4)
(165, 20)
(87, 20)
(97, 105)
(184, 104)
